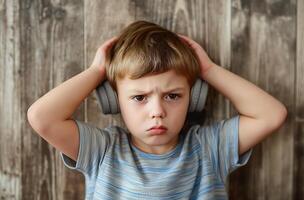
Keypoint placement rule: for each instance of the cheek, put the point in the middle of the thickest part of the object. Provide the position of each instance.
(183, 107)
(180, 114)
(130, 115)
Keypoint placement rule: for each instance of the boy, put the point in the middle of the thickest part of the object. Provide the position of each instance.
(152, 70)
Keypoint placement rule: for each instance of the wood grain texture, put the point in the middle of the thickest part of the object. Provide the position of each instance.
(10, 102)
(51, 52)
(263, 51)
(298, 108)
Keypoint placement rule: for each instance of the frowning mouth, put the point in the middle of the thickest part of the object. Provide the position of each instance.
(157, 130)
(158, 127)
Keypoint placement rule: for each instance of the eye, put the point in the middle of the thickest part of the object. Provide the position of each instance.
(138, 98)
(174, 96)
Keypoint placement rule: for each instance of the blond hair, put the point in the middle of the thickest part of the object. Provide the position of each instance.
(146, 48)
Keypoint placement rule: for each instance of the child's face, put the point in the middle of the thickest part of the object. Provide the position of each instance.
(151, 101)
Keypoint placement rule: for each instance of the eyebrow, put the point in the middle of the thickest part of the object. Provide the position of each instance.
(171, 90)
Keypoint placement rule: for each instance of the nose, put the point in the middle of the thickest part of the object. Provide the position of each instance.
(157, 108)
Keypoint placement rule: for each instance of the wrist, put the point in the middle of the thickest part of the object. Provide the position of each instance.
(206, 70)
(98, 70)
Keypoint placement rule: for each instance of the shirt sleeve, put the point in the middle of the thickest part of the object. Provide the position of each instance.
(222, 139)
(93, 143)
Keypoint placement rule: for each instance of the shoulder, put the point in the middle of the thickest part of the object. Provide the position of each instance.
(215, 126)
(212, 131)
(115, 129)
(89, 132)
(88, 127)
(116, 134)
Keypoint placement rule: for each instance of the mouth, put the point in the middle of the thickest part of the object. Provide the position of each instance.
(158, 127)
(157, 130)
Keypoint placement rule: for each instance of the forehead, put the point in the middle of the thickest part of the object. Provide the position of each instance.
(163, 81)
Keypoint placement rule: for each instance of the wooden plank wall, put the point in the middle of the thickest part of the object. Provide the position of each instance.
(264, 52)
(45, 42)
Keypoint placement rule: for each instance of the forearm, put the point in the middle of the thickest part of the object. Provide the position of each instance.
(61, 102)
(248, 99)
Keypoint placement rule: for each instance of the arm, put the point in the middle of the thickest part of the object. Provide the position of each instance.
(260, 113)
(50, 115)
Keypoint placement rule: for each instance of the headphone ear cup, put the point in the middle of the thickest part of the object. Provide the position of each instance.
(107, 98)
(198, 96)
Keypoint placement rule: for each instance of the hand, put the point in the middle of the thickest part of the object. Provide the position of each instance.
(100, 56)
(204, 60)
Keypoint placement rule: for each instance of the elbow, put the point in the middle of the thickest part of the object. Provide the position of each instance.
(280, 117)
(283, 114)
(35, 121)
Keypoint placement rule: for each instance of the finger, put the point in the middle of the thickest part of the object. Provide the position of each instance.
(190, 42)
(186, 39)
(181, 36)
(111, 41)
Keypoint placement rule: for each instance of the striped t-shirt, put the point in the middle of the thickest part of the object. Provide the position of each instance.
(196, 168)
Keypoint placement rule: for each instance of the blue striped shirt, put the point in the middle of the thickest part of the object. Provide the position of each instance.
(196, 168)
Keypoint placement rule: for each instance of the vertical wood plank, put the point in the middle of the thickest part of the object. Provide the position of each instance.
(217, 15)
(263, 51)
(299, 107)
(103, 20)
(51, 52)
(10, 110)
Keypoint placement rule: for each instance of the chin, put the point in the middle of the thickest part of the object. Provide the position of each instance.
(158, 141)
